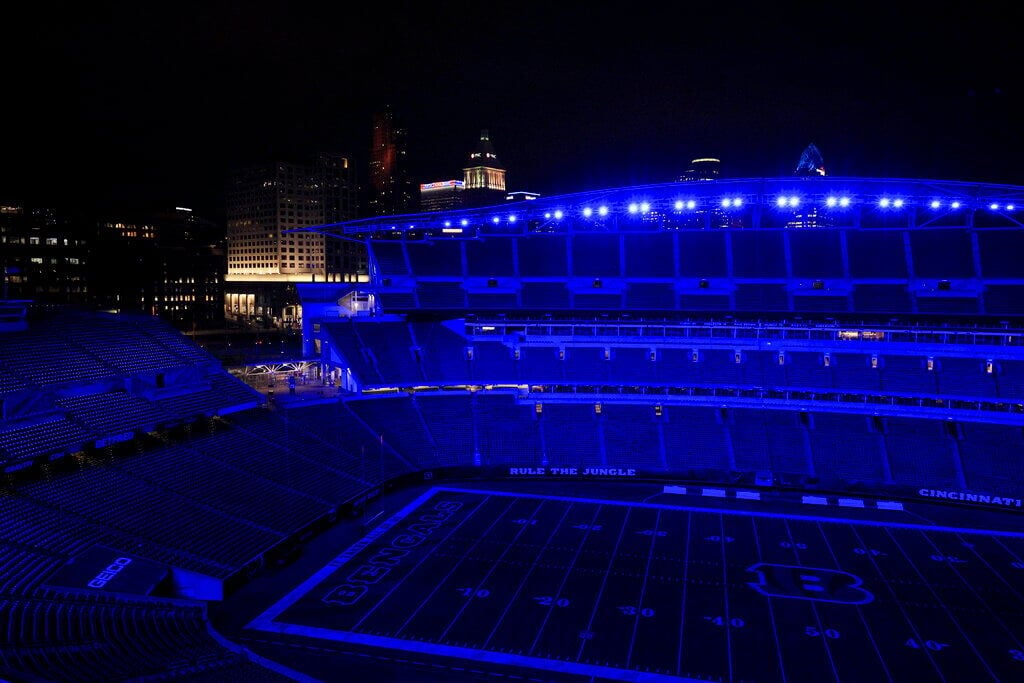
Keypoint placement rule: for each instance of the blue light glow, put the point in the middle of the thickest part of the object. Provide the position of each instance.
(780, 202)
(691, 204)
(679, 205)
(465, 222)
(558, 214)
(884, 202)
(737, 202)
(936, 203)
(588, 212)
(644, 207)
(898, 203)
(994, 206)
(547, 215)
(844, 202)
(955, 205)
(727, 202)
(1010, 207)
(495, 220)
(831, 201)
(512, 218)
(602, 211)
(794, 201)
(447, 224)
(634, 207)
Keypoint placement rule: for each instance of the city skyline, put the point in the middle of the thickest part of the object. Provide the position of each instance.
(157, 107)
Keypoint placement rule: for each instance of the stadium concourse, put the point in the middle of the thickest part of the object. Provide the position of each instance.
(753, 430)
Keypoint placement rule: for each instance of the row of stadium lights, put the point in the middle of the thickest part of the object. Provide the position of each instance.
(782, 202)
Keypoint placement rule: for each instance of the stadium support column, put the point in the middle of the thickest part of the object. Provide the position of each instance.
(723, 416)
(958, 461)
(662, 455)
(474, 416)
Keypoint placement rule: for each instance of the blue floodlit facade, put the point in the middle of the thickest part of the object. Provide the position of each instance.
(790, 310)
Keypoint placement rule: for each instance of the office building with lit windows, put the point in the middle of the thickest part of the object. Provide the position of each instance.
(266, 203)
(441, 195)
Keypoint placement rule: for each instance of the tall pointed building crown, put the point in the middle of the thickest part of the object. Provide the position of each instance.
(811, 162)
(484, 154)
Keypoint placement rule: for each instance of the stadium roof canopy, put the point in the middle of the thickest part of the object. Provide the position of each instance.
(642, 206)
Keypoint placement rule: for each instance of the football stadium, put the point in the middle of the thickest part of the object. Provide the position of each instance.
(754, 430)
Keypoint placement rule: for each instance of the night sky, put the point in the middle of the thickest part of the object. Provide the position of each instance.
(136, 105)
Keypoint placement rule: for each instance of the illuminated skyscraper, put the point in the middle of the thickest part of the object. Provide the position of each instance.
(390, 190)
(485, 175)
(264, 202)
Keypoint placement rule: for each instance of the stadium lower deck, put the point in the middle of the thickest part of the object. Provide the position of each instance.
(568, 582)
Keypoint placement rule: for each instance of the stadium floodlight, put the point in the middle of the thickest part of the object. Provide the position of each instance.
(884, 202)
(634, 207)
(993, 206)
(495, 220)
(547, 215)
(794, 201)
(558, 214)
(844, 202)
(679, 205)
(512, 218)
(1010, 207)
(936, 203)
(781, 202)
(831, 202)
(737, 202)
(447, 224)
(691, 204)
(955, 205)
(465, 222)
(602, 211)
(727, 202)
(644, 207)
(588, 212)
(898, 203)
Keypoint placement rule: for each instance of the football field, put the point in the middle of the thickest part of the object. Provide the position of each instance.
(650, 592)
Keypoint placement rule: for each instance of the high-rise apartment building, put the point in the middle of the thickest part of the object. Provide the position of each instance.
(390, 187)
(484, 175)
(265, 202)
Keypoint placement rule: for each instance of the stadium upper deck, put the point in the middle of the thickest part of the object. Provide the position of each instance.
(765, 246)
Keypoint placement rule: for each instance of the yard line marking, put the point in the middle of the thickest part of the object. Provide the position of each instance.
(1012, 635)
(604, 580)
(682, 609)
(814, 608)
(494, 565)
(860, 611)
(771, 609)
(899, 604)
(561, 587)
(643, 589)
(956, 623)
(438, 584)
(529, 572)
